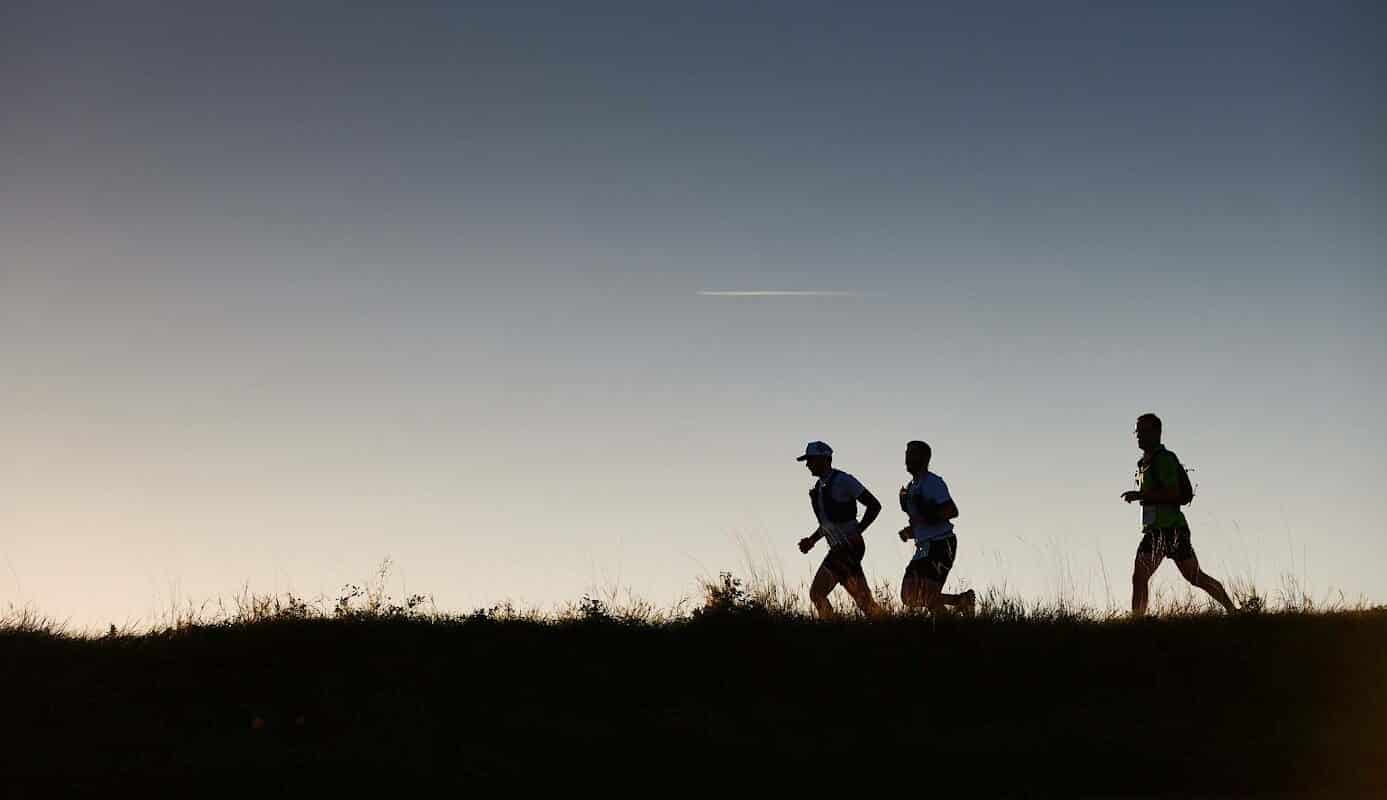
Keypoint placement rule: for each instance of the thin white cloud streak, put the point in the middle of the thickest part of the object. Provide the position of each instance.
(775, 293)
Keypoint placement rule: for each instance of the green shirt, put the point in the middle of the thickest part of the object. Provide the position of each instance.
(1160, 471)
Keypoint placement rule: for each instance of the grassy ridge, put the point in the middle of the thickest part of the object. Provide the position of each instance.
(1014, 703)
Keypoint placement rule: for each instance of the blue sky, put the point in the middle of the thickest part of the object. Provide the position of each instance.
(283, 292)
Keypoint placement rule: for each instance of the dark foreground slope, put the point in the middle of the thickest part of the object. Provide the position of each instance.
(1214, 705)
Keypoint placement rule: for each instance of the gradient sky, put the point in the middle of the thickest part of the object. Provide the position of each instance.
(285, 290)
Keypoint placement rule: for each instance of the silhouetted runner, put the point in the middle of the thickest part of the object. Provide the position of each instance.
(1162, 487)
(931, 509)
(834, 497)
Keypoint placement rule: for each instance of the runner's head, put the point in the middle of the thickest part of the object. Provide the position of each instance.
(1148, 431)
(917, 456)
(818, 458)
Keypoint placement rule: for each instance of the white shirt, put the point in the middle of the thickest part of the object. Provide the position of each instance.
(933, 489)
(845, 488)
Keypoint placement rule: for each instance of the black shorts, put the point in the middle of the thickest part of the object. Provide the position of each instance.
(1172, 543)
(845, 561)
(937, 562)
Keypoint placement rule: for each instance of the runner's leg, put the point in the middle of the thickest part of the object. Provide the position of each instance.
(1142, 569)
(861, 594)
(821, 588)
(931, 591)
(912, 590)
(1189, 567)
(941, 563)
(938, 598)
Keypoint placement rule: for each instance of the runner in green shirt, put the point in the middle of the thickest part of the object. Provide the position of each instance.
(1165, 532)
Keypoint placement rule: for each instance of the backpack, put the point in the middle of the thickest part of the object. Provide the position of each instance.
(1186, 488)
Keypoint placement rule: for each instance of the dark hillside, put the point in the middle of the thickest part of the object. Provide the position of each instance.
(1205, 704)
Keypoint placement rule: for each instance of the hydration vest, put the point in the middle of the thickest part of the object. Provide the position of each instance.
(1183, 475)
(912, 503)
(827, 509)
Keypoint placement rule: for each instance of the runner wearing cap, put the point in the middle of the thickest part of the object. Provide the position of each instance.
(926, 500)
(834, 497)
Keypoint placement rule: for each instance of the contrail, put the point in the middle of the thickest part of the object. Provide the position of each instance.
(775, 293)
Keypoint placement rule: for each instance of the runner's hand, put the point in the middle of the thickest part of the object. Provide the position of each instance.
(806, 544)
(905, 534)
(1131, 496)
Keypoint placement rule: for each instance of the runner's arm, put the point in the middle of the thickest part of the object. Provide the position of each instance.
(873, 506)
(941, 512)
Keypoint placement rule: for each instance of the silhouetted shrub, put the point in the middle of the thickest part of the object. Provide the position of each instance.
(728, 597)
